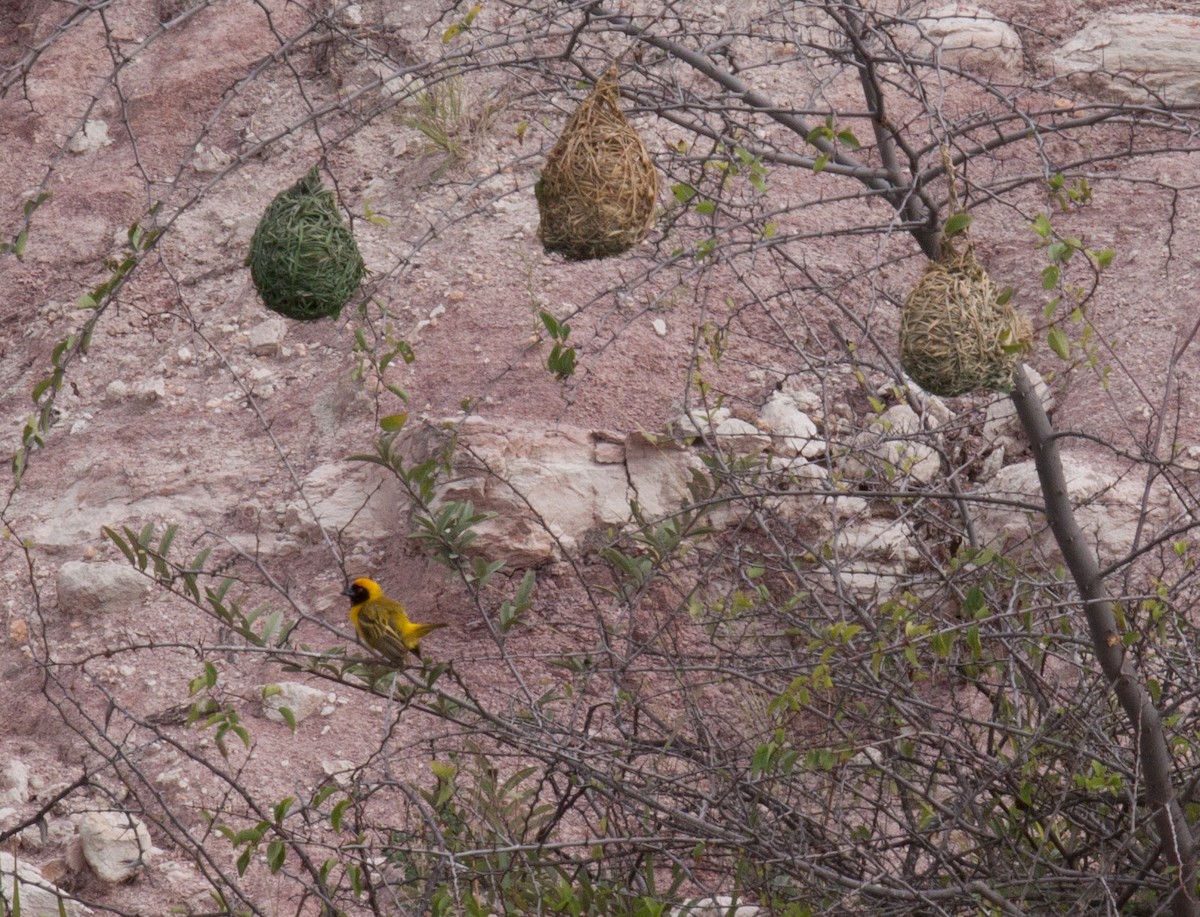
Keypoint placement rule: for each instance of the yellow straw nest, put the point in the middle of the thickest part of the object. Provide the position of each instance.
(956, 333)
(598, 190)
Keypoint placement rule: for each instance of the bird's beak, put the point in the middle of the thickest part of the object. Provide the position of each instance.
(346, 591)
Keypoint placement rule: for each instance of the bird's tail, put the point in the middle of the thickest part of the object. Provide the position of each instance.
(420, 630)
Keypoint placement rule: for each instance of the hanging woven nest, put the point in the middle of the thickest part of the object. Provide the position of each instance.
(956, 335)
(598, 190)
(303, 257)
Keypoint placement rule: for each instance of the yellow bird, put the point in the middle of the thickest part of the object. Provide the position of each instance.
(382, 623)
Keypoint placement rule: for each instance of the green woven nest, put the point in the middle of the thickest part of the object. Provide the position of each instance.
(956, 335)
(598, 191)
(303, 258)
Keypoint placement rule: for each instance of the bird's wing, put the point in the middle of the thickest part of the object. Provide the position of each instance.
(380, 636)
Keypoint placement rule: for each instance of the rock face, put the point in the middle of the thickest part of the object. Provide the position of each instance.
(551, 487)
(967, 37)
(1107, 509)
(115, 845)
(793, 432)
(891, 450)
(99, 588)
(1137, 56)
(39, 898)
(361, 498)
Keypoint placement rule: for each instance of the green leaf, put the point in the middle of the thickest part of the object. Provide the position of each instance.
(706, 207)
(820, 163)
(338, 813)
(847, 138)
(1059, 342)
(1050, 275)
(957, 224)
(276, 853)
(288, 717)
(820, 132)
(1042, 226)
(683, 193)
(1104, 257)
(18, 245)
(393, 422)
(281, 808)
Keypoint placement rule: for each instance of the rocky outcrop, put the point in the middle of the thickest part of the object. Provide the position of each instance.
(965, 37)
(1142, 57)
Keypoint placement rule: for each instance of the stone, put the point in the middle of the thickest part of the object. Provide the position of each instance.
(1136, 56)
(700, 422)
(14, 783)
(116, 845)
(1000, 418)
(793, 432)
(966, 37)
(1107, 508)
(740, 436)
(39, 897)
(265, 338)
(544, 486)
(930, 406)
(99, 588)
(210, 158)
(303, 700)
(659, 472)
(93, 136)
(716, 906)
(891, 451)
(362, 499)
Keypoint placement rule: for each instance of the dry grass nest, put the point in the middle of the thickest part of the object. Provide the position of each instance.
(957, 334)
(303, 257)
(599, 188)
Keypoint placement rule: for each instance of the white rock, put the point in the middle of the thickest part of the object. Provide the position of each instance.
(967, 37)
(699, 422)
(931, 406)
(874, 543)
(347, 495)
(93, 136)
(266, 337)
(740, 436)
(1107, 508)
(993, 462)
(1127, 54)
(793, 431)
(99, 588)
(891, 450)
(660, 327)
(1000, 418)
(210, 159)
(716, 906)
(39, 898)
(303, 700)
(542, 484)
(149, 391)
(660, 473)
(116, 845)
(14, 783)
